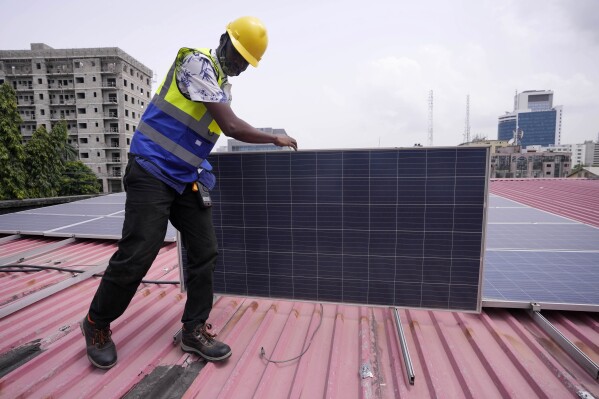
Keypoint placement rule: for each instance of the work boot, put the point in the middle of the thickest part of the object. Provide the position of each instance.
(101, 350)
(200, 341)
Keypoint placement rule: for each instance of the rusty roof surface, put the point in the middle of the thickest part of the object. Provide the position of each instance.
(348, 351)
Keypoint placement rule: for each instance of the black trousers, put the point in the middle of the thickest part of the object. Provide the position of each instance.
(150, 204)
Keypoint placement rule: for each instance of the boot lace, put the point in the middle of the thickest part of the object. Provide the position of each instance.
(202, 331)
(101, 336)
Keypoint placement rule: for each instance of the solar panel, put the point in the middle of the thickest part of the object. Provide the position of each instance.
(100, 217)
(535, 256)
(394, 227)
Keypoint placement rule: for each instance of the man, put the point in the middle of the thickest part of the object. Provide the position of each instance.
(167, 171)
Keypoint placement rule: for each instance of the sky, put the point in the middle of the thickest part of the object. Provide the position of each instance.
(357, 74)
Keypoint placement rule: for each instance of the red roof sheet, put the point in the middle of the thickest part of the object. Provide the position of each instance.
(576, 199)
(355, 352)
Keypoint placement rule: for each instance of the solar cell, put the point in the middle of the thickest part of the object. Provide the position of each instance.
(398, 227)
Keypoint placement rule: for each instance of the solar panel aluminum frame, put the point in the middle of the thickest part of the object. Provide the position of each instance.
(576, 307)
(484, 216)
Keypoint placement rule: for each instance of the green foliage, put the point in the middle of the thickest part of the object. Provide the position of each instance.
(43, 164)
(46, 166)
(78, 179)
(12, 155)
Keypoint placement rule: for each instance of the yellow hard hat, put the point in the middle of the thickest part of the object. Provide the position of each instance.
(249, 37)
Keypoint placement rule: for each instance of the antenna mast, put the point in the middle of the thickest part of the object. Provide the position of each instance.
(467, 127)
(430, 118)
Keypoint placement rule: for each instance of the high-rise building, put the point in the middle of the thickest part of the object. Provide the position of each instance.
(534, 121)
(100, 93)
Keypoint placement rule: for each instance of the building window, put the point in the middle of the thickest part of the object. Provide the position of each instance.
(133, 113)
(83, 140)
(80, 95)
(93, 79)
(97, 124)
(84, 155)
(41, 96)
(126, 112)
(38, 65)
(95, 94)
(126, 97)
(39, 81)
(132, 87)
(43, 112)
(79, 80)
(81, 111)
(127, 126)
(83, 126)
(125, 82)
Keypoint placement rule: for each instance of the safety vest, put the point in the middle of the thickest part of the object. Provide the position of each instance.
(177, 134)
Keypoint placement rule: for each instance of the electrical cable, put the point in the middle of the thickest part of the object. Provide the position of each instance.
(21, 268)
(263, 353)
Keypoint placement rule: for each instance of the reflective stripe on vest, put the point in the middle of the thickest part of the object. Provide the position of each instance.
(181, 114)
(168, 144)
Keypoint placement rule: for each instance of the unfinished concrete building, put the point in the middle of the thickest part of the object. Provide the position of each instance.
(100, 93)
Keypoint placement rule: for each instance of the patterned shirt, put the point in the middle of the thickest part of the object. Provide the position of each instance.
(197, 81)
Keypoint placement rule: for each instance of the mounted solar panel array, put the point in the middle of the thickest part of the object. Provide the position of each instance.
(536, 257)
(97, 218)
(397, 227)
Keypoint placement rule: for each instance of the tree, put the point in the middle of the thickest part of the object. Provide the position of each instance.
(12, 155)
(44, 161)
(78, 179)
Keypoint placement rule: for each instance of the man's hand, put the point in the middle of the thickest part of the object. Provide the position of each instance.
(285, 141)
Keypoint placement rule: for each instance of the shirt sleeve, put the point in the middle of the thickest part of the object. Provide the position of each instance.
(197, 81)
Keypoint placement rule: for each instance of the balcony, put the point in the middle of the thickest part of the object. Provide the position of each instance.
(25, 103)
(114, 173)
(61, 87)
(24, 87)
(112, 115)
(107, 84)
(28, 118)
(112, 130)
(62, 70)
(62, 102)
(55, 117)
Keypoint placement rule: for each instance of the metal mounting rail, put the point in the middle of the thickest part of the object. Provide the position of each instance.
(46, 292)
(9, 238)
(404, 348)
(572, 350)
(35, 252)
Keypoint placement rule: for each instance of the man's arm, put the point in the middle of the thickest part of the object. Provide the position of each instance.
(239, 129)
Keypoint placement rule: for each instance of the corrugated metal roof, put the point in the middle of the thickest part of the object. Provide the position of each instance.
(576, 199)
(355, 351)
